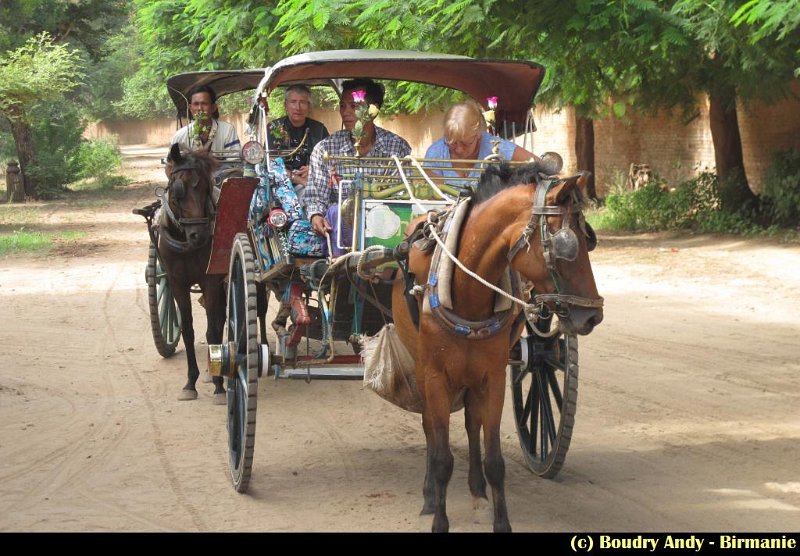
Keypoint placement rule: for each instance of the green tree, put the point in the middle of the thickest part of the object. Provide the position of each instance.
(602, 57)
(38, 71)
(77, 32)
(771, 19)
(592, 48)
(193, 35)
(730, 63)
(83, 23)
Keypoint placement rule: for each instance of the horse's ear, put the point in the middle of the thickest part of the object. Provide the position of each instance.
(583, 181)
(579, 181)
(565, 188)
(175, 154)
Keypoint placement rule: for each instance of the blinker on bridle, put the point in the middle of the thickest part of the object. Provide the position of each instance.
(562, 244)
(177, 188)
(177, 182)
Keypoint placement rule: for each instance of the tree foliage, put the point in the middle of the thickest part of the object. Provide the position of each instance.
(85, 24)
(37, 71)
(771, 20)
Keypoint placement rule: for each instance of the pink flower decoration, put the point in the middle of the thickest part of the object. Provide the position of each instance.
(359, 95)
(491, 102)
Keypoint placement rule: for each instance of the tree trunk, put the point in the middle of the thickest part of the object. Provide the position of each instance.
(21, 132)
(735, 192)
(584, 150)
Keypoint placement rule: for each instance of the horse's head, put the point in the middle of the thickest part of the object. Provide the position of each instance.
(558, 259)
(189, 200)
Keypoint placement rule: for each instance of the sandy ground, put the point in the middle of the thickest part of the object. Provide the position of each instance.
(687, 415)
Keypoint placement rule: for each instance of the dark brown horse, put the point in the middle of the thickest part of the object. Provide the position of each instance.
(537, 230)
(185, 230)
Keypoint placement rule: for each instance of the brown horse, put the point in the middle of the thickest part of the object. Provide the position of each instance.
(539, 231)
(184, 247)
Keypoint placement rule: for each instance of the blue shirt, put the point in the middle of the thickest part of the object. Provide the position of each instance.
(439, 149)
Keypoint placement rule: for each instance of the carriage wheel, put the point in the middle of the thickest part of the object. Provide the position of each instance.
(241, 335)
(165, 319)
(545, 394)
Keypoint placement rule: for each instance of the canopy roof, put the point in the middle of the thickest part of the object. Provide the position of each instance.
(515, 83)
(222, 81)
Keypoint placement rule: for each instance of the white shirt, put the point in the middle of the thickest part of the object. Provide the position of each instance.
(222, 139)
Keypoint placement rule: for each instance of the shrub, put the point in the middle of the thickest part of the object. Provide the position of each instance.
(781, 192)
(651, 208)
(99, 159)
(57, 130)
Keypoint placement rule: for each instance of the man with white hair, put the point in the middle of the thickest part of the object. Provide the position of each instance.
(296, 133)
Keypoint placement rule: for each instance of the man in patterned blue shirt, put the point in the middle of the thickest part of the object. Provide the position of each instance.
(319, 197)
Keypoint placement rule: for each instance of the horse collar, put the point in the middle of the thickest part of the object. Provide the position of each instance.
(472, 330)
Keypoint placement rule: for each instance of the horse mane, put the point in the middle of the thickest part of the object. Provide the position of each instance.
(498, 177)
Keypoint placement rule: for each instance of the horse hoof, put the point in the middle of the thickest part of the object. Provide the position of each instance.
(220, 399)
(187, 395)
(504, 527)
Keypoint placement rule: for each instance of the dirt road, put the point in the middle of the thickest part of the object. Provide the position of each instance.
(687, 415)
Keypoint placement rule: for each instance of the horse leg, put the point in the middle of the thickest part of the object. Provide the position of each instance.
(427, 485)
(184, 301)
(493, 464)
(440, 458)
(472, 422)
(215, 317)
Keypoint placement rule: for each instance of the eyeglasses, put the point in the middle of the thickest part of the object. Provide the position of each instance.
(462, 145)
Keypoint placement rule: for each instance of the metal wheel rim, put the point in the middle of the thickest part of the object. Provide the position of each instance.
(545, 422)
(165, 319)
(240, 333)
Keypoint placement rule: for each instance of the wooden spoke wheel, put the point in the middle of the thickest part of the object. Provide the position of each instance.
(241, 335)
(545, 394)
(165, 319)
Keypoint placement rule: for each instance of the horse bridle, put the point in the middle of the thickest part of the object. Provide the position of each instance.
(561, 244)
(177, 187)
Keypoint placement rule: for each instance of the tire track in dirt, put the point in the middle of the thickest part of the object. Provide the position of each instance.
(157, 437)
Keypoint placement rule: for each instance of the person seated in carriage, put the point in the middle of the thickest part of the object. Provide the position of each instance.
(466, 138)
(207, 131)
(360, 102)
(296, 132)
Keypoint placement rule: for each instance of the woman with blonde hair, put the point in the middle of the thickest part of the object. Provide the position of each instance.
(466, 140)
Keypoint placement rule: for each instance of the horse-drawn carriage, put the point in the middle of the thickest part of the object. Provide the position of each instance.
(490, 280)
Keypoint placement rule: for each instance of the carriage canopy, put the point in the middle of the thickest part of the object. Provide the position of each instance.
(515, 83)
(222, 81)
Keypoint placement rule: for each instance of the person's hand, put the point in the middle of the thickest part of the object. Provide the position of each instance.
(320, 225)
(300, 176)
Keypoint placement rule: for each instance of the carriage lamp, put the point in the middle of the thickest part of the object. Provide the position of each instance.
(278, 218)
(253, 152)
